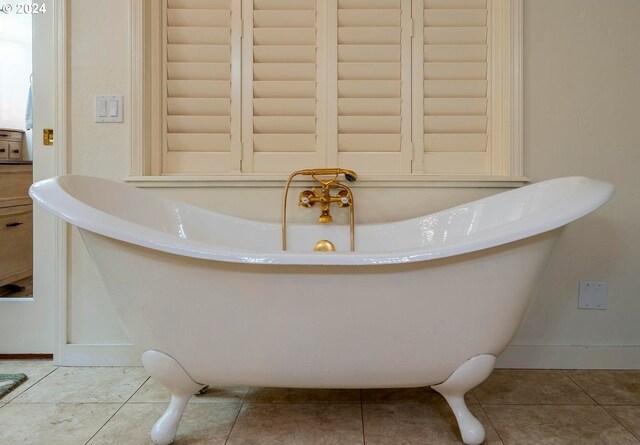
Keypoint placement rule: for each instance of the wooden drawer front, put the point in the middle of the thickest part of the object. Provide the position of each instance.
(4, 150)
(15, 150)
(15, 181)
(16, 246)
(11, 144)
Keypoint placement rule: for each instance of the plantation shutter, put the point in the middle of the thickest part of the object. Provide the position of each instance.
(202, 120)
(429, 87)
(455, 84)
(373, 86)
(282, 81)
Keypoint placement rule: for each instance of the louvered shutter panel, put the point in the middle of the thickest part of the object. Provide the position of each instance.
(281, 86)
(200, 126)
(373, 86)
(456, 87)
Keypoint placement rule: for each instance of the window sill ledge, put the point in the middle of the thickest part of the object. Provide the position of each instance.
(371, 181)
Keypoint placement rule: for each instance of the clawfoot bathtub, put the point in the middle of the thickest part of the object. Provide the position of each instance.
(212, 299)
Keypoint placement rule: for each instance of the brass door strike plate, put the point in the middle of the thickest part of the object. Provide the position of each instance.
(47, 136)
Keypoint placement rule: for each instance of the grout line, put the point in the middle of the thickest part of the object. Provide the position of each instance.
(581, 388)
(104, 424)
(37, 381)
(617, 421)
(364, 438)
(490, 421)
(535, 404)
(341, 403)
(139, 388)
(601, 407)
(117, 411)
(237, 415)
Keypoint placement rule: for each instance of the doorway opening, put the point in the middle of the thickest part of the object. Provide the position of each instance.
(16, 156)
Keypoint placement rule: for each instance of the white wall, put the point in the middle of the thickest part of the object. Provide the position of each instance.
(100, 46)
(582, 104)
(15, 51)
(582, 59)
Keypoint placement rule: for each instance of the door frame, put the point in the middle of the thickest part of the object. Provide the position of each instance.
(61, 167)
(43, 317)
(50, 234)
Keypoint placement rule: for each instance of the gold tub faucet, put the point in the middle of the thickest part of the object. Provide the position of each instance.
(322, 196)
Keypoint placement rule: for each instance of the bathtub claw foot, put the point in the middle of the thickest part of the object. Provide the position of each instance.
(172, 376)
(469, 375)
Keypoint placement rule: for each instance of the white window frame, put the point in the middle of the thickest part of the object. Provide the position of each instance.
(507, 163)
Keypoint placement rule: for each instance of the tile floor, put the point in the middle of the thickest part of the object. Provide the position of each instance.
(97, 406)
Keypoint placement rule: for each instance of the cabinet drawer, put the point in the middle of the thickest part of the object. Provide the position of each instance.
(4, 150)
(15, 150)
(15, 181)
(16, 245)
(11, 144)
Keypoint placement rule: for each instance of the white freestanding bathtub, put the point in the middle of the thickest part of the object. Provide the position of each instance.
(212, 299)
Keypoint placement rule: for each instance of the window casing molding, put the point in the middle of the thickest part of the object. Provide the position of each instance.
(506, 116)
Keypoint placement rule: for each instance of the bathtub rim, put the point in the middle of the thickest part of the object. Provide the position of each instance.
(52, 195)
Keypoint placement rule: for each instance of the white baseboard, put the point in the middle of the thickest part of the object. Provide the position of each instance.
(524, 357)
(98, 355)
(570, 357)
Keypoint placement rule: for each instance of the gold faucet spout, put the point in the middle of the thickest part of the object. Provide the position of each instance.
(325, 216)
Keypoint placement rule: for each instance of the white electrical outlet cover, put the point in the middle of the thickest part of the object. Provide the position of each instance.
(593, 295)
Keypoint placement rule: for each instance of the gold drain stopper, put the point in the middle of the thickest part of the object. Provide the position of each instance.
(324, 246)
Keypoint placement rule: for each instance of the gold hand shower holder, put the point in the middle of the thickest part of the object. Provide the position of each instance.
(328, 184)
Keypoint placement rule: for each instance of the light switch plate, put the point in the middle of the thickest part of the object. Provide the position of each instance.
(109, 108)
(593, 295)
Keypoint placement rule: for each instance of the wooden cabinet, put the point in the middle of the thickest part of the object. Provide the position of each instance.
(16, 222)
(11, 146)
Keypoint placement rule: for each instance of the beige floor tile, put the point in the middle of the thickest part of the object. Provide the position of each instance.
(628, 416)
(60, 424)
(408, 395)
(298, 395)
(530, 387)
(609, 387)
(34, 369)
(201, 424)
(557, 425)
(419, 424)
(291, 424)
(154, 392)
(86, 385)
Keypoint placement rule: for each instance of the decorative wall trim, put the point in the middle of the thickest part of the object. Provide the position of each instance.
(570, 357)
(278, 181)
(139, 122)
(60, 230)
(516, 92)
(523, 357)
